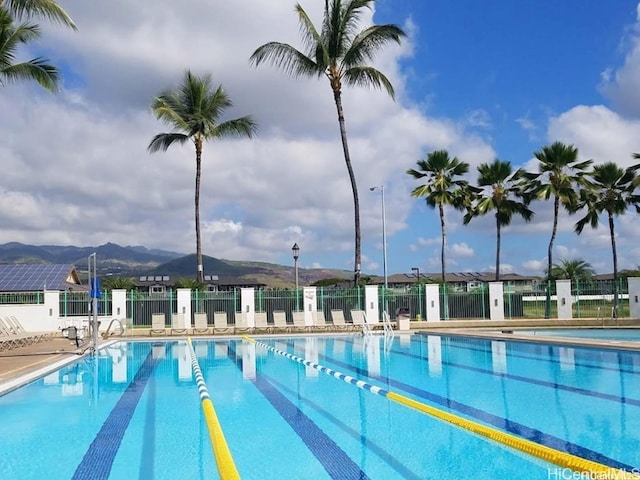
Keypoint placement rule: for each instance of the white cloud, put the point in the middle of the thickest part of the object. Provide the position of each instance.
(621, 84)
(460, 250)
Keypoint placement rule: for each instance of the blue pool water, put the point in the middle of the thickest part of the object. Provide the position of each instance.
(135, 412)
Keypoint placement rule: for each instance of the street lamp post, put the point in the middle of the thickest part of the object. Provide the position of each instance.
(417, 270)
(384, 236)
(296, 254)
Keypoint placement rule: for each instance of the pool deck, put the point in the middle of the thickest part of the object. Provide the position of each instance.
(22, 364)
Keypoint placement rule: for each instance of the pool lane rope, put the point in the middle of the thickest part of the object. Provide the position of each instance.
(548, 454)
(224, 460)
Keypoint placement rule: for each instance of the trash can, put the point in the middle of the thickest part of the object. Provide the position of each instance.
(402, 318)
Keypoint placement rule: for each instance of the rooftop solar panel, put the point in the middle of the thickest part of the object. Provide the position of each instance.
(143, 278)
(27, 278)
(165, 278)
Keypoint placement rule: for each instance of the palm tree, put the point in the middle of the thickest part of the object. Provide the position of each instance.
(442, 188)
(194, 112)
(11, 37)
(48, 9)
(609, 189)
(340, 52)
(559, 176)
(502, 197)
(575, 270)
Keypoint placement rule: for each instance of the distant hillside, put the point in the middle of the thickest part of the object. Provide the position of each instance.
(133, 261)
(110, 258)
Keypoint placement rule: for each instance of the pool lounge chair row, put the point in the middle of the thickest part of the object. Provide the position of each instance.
(13, 334)
(279, 325)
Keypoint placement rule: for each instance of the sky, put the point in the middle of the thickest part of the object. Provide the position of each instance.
(481, 79)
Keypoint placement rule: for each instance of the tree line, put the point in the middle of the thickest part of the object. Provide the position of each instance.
(579, 187)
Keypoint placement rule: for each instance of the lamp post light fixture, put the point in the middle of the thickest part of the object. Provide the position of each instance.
(384, 236)
(296, 254)
(417, 270)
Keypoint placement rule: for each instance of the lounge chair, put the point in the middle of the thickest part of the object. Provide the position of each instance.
(158, 324)
(12, 338)
(241, 323)
(280, 321)
(178, 324)
(298, 322)
(220, 324)
(261, 323)
(359, 320)
(319, 322)
(339, 323)
(200, 324)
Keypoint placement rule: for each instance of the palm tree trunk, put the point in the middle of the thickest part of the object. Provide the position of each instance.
(614, 312)
(354, 187)
(444, 242)
(200, 270)
(497, 248)
(556, 208)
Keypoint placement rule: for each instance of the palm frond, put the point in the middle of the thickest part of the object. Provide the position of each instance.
(368, 77)
(162, 141)
(368, 43)
(285, 57)
(48, 9)
(37, 69)
(239, 127)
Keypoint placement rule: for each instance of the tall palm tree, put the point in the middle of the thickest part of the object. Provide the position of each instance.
(338, 51)
(48, 9)
(574, 270)
(504, 196)
(610, 189)
(442, 188)
(11, 37)
(559, 176)
(194, 112)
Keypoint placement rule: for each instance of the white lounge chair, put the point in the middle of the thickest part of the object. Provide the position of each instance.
(158, 324)
(359, 320)
(241, 323)
(261, 323)
(280, 321)
(200, 324)
(298, 322)
(339, 323)
(178, 324)
(220, 324)
(319, 322)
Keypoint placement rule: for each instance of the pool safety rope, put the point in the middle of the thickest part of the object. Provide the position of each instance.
(556, 457)
(224, 460)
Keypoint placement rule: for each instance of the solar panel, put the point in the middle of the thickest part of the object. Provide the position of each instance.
(143, 278)
(27, 278)
(207, 277)
(165, 278)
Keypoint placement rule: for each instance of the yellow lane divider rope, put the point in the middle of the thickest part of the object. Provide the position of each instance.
(224, 461)
(551, 455)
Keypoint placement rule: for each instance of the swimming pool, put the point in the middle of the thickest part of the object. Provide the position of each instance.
(135, 412)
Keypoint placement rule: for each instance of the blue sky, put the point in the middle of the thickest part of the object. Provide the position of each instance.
(482, 79)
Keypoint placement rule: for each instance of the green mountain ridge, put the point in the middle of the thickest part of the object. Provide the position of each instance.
(135, 261)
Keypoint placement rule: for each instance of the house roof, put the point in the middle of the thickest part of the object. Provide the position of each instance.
(33, 277)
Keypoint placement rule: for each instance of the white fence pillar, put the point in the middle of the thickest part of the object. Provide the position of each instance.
(433, 302)
(371, 308)
(51, 320)
(119, 304)
(309, 304)
(248, 303)
(564, 299)
(496, 301)
(183, 305)
(634, 297)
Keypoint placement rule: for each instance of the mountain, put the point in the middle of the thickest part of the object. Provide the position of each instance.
(110, 258)
(134, 261)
